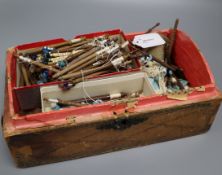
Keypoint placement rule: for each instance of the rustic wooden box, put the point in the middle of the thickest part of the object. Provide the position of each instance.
(54, 136)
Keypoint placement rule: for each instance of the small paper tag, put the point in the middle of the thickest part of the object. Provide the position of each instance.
(148, 40)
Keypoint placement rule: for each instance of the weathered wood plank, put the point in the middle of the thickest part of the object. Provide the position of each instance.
(91, 139)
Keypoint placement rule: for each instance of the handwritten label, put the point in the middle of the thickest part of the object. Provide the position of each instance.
(148, 40)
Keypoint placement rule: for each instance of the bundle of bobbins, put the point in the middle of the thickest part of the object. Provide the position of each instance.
(68, 61)
(174, 81)
(58, 104)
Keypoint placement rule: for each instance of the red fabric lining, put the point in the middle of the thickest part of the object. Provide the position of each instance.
(186, 54)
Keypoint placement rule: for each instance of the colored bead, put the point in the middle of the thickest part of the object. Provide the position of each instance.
(184, 82)
(44, 76)
(170, 72)
(40, 82)
(65, 85)
(55, 106)
(97, 101)
(144, 60)
(61, 64)
(46, 54)
(33, 57)
(149, 58)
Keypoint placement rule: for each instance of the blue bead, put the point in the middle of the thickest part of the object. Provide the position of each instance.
(46, 54)
(184, 82)
(44, 76)
(98, 101)
(65, 86)
(170, 72)
(149, 58)
(56, 107)
(61, 64)
(40, 82)
(33, 57)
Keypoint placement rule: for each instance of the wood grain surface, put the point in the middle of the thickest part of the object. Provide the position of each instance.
(75, 141)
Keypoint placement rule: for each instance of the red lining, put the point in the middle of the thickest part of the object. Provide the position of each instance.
(187, 56)
(55, 41)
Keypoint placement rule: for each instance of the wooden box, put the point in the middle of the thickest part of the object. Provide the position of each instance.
(53, 136)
